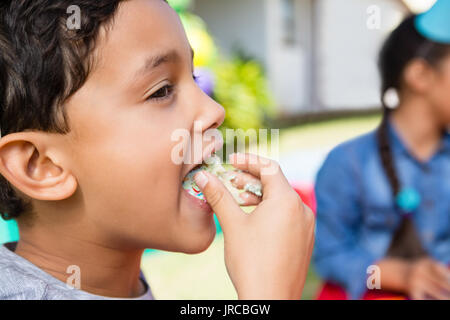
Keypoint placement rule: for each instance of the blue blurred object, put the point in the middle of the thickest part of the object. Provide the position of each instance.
(205, 80)
(408, 200)
(8, 231)
(435, 23)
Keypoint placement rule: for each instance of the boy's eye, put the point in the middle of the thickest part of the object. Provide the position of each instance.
(162, 93)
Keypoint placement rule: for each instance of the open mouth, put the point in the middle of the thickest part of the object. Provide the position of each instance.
(214, 166)
(211, 164)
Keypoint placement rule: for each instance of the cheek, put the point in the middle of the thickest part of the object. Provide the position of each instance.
(446, 90)
(444, 103)
(441, 98)
(129, 186)
(144, 174)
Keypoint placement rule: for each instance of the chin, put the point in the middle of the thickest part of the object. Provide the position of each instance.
(198, 243)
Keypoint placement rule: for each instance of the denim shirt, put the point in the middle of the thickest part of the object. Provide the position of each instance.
(356, 214)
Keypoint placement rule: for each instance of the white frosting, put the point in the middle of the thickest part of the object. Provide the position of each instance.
(214, 166)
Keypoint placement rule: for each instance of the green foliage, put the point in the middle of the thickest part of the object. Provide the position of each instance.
(180, 6)
(201, 41)
(240, 83)
(241, 88)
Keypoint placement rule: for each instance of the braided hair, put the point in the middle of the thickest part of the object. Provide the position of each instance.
(402, 46)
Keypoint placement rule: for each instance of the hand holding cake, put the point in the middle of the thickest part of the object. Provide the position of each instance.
(253, 242)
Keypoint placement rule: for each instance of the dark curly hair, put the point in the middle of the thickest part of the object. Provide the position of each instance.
(42, 63)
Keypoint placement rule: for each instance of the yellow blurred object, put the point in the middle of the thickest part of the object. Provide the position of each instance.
(200, 40)
(203, 46)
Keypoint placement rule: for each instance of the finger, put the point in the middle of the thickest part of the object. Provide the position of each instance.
(436, 278)
(249, 199)
(219, 198)
(434, 292)
(268, 171)
(240, 179)
(247, 182)
(442, 273)
(417, 295)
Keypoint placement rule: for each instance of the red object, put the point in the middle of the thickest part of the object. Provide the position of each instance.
(306, 192)
(333, 292)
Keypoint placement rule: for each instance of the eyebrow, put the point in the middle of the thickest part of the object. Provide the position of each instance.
(157, 60)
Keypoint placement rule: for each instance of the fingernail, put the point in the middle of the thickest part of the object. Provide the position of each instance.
(201, 179)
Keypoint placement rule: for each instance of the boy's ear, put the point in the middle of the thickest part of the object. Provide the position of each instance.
(27, 163)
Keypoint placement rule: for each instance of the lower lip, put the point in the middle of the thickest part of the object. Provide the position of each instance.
(200, 204)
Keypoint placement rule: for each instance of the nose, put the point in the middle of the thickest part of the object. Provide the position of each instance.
(211, 113)
(210, 116)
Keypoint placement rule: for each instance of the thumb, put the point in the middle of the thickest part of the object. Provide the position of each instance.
(219, 198)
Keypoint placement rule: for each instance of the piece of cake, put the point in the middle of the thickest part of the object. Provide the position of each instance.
(214, 166)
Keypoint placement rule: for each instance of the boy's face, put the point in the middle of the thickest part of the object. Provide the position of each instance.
(140, 91)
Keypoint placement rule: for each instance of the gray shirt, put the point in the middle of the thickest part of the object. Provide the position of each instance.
(22, 280)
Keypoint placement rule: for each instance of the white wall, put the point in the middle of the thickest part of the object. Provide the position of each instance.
(348, 49)
(343, 72)
(289, 64)
(238, 23)
(257, 27)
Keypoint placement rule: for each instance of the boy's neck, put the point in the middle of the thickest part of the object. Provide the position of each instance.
(419, 128)
(103, 270)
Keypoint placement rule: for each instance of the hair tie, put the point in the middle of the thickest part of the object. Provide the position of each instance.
(408, 200)
(391, 99)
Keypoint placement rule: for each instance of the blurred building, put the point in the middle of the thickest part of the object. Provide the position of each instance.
(320, 55)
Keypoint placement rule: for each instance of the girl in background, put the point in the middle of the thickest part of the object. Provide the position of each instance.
(383, 199)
